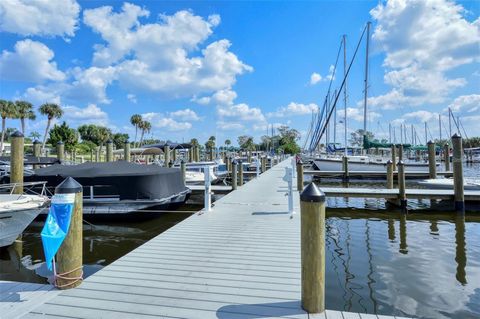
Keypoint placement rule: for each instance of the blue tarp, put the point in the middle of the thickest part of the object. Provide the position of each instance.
(56, 226)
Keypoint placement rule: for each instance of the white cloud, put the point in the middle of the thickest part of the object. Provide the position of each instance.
(90, 114)
(241, 112)
(30, 61)
(422, 41)
(204, 100)
(315, 78)
(356, 114)
(294, 109)
(468, 103)
(230, 126)
(44, 18)
(163, 57)
(91, 84)
(160, 121)
(422, 116)
(132, 98)
(185, 115)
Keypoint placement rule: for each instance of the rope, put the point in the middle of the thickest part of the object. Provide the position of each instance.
(64, 277)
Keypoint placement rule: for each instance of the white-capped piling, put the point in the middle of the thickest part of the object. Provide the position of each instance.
(312, 225)
(183, 168)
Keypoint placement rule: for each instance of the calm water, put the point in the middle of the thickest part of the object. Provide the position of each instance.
(378, 261)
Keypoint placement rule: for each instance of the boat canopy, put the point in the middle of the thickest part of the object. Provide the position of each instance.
(172, 145)
(128, 181)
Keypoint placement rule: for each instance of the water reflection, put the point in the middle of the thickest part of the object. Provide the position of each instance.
(423, 274)
(460, 249)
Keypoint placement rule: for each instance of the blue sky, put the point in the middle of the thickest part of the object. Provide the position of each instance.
(196, 69)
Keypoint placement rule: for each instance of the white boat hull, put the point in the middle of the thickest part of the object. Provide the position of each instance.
(336, 165)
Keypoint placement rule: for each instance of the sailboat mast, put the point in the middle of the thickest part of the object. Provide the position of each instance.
(335, 124)
(366, 81)
(413, 136)
(426, 136)
(440, 126)
(345, 89)
(450, 122)
(390, 132)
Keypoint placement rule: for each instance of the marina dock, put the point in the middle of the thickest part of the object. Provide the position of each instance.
(240, 260)
(372, 174)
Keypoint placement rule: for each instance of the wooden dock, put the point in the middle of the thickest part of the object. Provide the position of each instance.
(241, 260)
(19, 298)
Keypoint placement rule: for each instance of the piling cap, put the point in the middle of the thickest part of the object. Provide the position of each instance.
(234, 162)
(127, 142)
(312, 193)
(300, 162)
(36, 142)
(456, 136)
(68, 186)
(400, 163)
(16, 134)
(109, 141)
(182, 161)
(389, 162)
(59, 143)
(430, 142)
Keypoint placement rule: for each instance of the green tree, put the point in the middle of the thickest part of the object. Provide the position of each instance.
(356, 138)
(35, 135)
(136, 121)
(194, 142)
(64, 133)
(228, 142)
(85, 147)
(52, 111)
(24, 110)
(246, 143)
(7, 110)
(119, 139)
(145, 127)
(104, 134)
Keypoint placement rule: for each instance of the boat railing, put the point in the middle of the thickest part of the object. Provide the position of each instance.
(28, 187)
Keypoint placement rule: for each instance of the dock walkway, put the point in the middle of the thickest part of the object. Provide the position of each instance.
(241, 260)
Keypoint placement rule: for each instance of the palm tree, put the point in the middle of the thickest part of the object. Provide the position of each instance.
(103, 135)
(52, 111)
(35, 135)
(7, 110)
(24, 111)
(145, 126)
(136, 120)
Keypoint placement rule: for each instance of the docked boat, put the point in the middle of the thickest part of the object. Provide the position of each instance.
(195, 172)
(447, 183)
(119, 187)
(17, 212)
(364, 163)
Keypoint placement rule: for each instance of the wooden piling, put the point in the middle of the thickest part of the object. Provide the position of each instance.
(126, 151)
(249, 156)
(458, 174)
(166, 151)
(300, 175)
(234, 175)
(432, 167)
(109, 151)
(400, 152)
(240, 173)
(197, 153)
(16, 161)
(401, 186)
(403, 234)
(346, 174)
(394, 157)
(389, 174)
(312, 228)
(264, 164)
(446, 156)
(60, 151)
(69, 256)
(37, 151)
